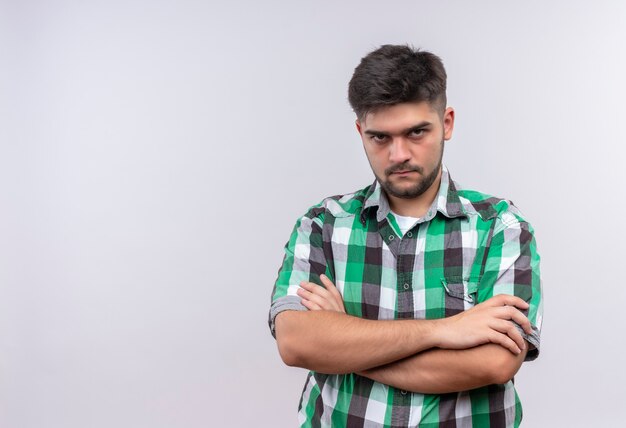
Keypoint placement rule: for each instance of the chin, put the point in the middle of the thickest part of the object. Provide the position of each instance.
(403, 193)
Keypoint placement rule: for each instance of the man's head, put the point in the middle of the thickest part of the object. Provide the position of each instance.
(395, 74)
(398, 95)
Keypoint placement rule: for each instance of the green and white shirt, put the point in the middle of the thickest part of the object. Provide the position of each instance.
(466, 249)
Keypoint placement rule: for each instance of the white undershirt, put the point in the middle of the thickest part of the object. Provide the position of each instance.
(405, 223)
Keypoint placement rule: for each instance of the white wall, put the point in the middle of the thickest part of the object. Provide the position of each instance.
(154, 156)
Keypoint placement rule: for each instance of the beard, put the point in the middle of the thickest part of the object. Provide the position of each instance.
(419, 187)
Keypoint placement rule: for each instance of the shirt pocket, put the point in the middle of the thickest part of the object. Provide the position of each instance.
(460, 294)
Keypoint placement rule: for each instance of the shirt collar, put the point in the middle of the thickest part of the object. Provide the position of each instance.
(447, 201)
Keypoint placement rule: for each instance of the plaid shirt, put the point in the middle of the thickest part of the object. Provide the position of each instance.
(466, 249)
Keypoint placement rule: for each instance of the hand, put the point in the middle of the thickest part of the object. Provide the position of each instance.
(317, 298)
(486, 322)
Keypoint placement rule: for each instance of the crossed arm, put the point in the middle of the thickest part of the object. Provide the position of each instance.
(478, 347)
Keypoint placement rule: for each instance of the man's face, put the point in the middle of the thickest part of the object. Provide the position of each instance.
(404, 146)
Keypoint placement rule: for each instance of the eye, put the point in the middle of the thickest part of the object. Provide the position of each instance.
(416, 133)
(379, 138)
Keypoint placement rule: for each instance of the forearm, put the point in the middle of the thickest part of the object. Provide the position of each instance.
(333, 342)
(440, 371)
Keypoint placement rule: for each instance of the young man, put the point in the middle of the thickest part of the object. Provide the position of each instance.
(413, 302)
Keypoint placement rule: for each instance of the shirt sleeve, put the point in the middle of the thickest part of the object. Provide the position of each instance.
(512, 267)
(304, 260)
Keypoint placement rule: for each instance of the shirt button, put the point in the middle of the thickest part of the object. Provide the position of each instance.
(403, 392)
(391, 237)
(406, 287)
(409, 234)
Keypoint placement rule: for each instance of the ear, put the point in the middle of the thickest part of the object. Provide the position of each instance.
(448, 123)
(358, 126)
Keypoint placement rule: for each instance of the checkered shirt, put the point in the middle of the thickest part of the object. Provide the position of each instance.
(466, 249)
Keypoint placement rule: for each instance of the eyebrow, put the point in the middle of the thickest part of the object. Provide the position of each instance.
(417, 127)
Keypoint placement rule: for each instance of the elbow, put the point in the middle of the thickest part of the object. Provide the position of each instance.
(502, 375)
(299, 345)
(289, 350)
(505, 366)
(288, 353)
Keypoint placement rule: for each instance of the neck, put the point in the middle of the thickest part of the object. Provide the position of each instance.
(418, 206)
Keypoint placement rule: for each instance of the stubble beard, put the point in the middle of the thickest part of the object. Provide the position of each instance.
(418, 188)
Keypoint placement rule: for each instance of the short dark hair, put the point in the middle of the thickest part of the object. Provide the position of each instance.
(394, 74)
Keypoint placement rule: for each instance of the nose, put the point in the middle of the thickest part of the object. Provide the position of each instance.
(400, 151)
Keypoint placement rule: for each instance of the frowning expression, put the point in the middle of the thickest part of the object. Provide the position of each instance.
(404, 146)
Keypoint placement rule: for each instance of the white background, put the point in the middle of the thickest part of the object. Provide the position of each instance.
(154, 156)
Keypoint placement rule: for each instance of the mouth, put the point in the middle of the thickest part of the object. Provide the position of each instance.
(403, 170)
(402, 173)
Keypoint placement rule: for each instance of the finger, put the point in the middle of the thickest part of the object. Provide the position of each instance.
(329, 285)
(315, 289)
(309, 285)
(508, 328)
(324, 303)
(310, 305)
(508, 300)
(504, 341)
(305, 294)
(521, 319)
(332, 289)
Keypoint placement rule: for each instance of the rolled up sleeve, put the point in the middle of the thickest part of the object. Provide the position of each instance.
(304, 260)
(512, 267)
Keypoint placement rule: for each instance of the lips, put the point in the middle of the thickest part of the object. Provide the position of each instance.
(403, 169)
(403, 172)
